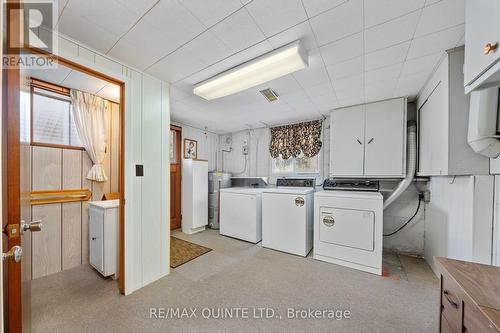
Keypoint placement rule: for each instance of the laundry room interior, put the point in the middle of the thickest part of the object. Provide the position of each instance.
(295, 156)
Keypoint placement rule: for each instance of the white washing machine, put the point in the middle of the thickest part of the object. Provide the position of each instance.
(348, 228)
(241, 213)
(288, 216)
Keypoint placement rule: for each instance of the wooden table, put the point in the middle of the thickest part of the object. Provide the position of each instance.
(470, 296)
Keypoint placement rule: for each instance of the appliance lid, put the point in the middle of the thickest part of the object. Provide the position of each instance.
(243, 190)
(349, 194)
(289, 190)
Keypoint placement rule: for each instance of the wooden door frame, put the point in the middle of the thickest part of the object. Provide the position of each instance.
(121, 179)
(179, 157)
(11, 174)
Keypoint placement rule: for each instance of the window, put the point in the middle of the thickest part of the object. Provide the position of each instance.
(296, 165)
(52, 119)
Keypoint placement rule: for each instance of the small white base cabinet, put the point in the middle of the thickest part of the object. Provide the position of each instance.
(103, 236)
(194, 195)
(443, 115)
(369, 140)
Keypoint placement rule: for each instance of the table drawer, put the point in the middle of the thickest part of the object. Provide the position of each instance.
(452, 305)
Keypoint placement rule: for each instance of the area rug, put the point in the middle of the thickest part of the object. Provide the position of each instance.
(182, 251)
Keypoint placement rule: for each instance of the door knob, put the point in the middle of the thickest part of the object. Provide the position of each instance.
(15, 253)
(32, 226)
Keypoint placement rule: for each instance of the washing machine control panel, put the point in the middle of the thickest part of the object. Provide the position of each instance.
(295, 182)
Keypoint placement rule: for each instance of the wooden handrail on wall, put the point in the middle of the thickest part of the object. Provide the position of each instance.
(59, 196)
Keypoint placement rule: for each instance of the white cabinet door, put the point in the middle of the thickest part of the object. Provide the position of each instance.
(433, 138)
(385, 138)
(347, 141)
(482, 27)
(96, 239)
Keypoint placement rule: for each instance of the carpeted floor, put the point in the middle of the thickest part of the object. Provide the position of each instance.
(182, 251)
(240, 274)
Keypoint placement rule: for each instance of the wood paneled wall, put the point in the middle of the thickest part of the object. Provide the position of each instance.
(63, 241)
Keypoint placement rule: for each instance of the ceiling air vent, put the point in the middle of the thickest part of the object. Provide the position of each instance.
(270, 95)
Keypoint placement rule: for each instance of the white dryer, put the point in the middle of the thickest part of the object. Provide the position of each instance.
(348, 228)
(288, 216)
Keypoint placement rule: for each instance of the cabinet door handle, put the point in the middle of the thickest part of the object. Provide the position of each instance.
(371, 140)
(359, 141)
(447, 295)
(488, 48)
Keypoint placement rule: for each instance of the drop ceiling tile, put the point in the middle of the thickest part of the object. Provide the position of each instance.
(383, 74)
(83, 82)
(315, 73)
(391, 33)
(75, 26)
(388, 56)
(423, 65)
(380, 11)
(238, 31)
(380, 91)
(343, 49)
(315, 7)
(176, 66)
(325, 102)
(100, 23)
(138, 46)
(346, 68)
(435, 42)
(340, 22)
(174, 21)
(351, 96)
(348, 83)
(301, 31)
(213, 11)
(441, 15)
(275, 16)
(208, 48)
(319, 90)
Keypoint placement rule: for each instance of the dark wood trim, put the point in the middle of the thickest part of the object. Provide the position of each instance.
(11, 151)
(56, 88)
(51, 145)
(176, 196)
(121, 190)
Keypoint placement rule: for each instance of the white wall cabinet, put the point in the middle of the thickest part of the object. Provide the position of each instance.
(443, 115)
(482, 27)
(369, 140)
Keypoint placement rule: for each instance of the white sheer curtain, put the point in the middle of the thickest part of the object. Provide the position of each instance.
(90, 120)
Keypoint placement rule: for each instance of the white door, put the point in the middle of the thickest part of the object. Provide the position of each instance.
(385, 138)
(483, 27)
(347, 141)
(96, 239)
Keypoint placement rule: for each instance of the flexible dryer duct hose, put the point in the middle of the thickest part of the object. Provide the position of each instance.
(411, 165)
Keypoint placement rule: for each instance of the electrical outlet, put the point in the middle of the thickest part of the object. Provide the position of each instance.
(427, 196)
(245, 150)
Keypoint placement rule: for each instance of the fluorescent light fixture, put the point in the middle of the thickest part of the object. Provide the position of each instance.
(285, 60)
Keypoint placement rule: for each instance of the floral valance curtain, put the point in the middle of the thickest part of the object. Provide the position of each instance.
(292, 140)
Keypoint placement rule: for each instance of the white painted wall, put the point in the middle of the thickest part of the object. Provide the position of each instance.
(408, 240)
(147, 122)
(208, 143)
(459, 219)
